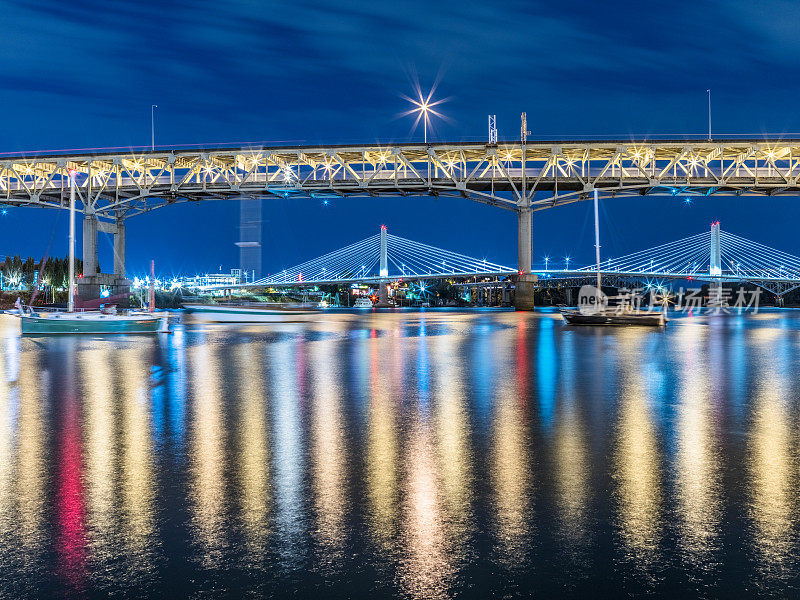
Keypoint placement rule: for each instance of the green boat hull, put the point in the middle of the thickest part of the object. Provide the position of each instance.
(77, 324)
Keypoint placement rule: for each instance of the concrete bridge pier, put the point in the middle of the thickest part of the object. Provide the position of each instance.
(383, 295)
(526, 281)
(93, 282)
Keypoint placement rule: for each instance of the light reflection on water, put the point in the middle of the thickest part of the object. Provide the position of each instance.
(329, 455)
(637, 456)
(772, 460)
(383, 446)
(425, 564)
(698, 460)
(207, 456)
(31, 479)
(511, 465)
(95, 365)
(252, 450)
(421, 455)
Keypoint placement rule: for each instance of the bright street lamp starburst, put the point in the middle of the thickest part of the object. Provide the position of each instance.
(423, 107)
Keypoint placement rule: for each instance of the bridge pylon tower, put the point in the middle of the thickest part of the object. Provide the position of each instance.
(715, 254)
(383, 290)
(715, 268)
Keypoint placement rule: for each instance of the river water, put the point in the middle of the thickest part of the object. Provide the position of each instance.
(414, 455)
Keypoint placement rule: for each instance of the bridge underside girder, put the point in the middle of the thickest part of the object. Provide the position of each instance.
(117, 185)
(126, 204)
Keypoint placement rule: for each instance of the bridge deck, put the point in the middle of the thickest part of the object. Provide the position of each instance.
(121, 184)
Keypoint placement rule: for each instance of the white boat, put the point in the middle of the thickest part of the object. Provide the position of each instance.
(92, 323)
(250, 313)
(35, 322)
(362, 302)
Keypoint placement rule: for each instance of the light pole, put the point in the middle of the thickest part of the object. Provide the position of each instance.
(153, 108)
(423, 107)
(709, 114)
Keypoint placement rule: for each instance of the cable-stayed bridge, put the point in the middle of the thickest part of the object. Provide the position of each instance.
(712, 256)
(377, 259)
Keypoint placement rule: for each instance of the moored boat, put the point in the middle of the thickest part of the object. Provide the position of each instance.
(250, 313)
(593, 306)
(363, 302)
(92, 323)
(106, 321)
(612, 317)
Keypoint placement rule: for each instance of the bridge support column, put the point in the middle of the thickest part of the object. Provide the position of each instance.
(119, 250)
(526, 281)
(89, 246)
(93, 283)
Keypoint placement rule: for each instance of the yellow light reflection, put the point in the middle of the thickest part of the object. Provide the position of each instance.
(383, 449)
(207, 454)
(697, 457)
(100, 451)
(452, 436)
(511, 476)
(771, 465)
(31, 475)
(136, 471)
(328, 451)
(637, 472)
(425, 567)
(7, 400)
(572, 472)
(253, 450)
(511, 456)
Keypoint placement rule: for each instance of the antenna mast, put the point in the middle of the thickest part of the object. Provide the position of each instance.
(523, 136)
(597, 241)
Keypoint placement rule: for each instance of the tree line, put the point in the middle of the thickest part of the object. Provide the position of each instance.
(18, 273)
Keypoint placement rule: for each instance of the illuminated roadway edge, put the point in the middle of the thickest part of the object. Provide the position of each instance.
(553, 274)
(117, 185)
(365, 280)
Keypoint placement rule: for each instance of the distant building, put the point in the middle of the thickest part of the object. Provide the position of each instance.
(235, 277)
(196, 282)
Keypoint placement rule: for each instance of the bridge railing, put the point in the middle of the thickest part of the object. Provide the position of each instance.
(149, 181)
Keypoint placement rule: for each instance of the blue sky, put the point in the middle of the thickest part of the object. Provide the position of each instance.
(84, 74)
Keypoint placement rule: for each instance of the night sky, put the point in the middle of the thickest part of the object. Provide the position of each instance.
(84, 74)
